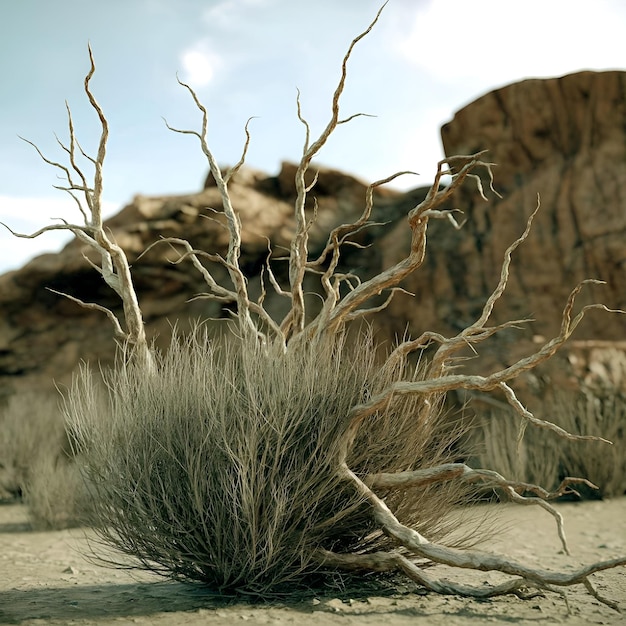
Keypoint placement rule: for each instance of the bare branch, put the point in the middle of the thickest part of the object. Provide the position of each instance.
(119, 333)
(418, 221)
(299, 243)
(442, 383)
(233, 221)
(519, 586)
(233, 170)
(354, 116)
(268, 267)
(114, 265)
(302, 119)
(66, 172)
(421, 547)
(427, 338)
(71, 151)
(529, 417)
(65, 226)
(95, 204)
(489, 478)
(339, 234)
(451, 471)
(475, 332)
(394, 561)
(218, 292)
(375, 309)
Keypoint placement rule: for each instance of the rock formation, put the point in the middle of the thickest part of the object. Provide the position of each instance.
(562, 138)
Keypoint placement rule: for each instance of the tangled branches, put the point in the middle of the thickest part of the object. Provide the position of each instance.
(248, 464)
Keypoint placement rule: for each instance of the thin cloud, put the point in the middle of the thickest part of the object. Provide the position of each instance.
(498, 41)
(230, 13)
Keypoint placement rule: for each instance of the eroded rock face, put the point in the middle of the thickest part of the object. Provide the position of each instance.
(564, 139)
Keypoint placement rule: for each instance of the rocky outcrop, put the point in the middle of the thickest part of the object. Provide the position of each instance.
(564, 139)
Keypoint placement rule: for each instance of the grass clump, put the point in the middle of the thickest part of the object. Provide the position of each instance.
(36, 463)
(546, 459)
(31, 428)
(221, 465)
(55, 493)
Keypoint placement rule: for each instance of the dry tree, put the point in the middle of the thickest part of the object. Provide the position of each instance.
(288, 449)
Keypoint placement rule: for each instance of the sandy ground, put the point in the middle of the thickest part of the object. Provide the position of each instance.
(45, 580)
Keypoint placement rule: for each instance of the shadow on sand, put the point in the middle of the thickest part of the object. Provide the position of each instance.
(104, 601)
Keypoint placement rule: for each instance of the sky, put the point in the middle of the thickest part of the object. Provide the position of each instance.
(424, 60)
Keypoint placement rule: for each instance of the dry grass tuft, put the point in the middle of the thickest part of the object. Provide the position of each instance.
(598, 410)
(36, 463)
(545, 459)
(31, 429)
(55, 493)
(220, 466)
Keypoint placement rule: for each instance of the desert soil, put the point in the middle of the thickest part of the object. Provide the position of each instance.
(44, 579)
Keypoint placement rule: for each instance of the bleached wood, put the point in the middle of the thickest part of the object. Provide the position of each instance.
(420, 546)
(442, 375)
(114, 267)
(298, 256)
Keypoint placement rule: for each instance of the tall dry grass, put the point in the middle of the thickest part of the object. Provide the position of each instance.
(55, 493)
(545, 459)
(220, 466)
(36, 464)
(31, 428)
(600, 411)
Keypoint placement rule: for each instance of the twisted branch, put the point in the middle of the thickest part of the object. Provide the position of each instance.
(419, 546)
(232, 218)
(418, 218)
(114, 266)
(298, 256)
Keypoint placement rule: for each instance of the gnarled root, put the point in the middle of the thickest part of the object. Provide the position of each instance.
(413, 546)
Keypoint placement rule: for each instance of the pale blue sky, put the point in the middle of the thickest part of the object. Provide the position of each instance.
(425, 60)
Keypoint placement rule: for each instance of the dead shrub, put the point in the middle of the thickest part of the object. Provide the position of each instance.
(247, 465)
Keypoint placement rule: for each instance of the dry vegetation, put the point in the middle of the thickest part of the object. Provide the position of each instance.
(227, 454)
(36, 462)
(285, 451)
(30, 427)
(545, 459)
